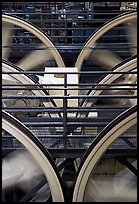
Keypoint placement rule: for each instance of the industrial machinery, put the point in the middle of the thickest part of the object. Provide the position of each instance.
(69, 96)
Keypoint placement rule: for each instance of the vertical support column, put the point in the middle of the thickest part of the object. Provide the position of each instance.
(65, 112)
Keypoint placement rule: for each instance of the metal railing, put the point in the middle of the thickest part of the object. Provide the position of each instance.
(68, 130)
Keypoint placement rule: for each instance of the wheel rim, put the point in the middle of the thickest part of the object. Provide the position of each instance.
(99, 146)
(42, 157)
(26, 79)
(126, 66)
(16, 21)
(98, 33)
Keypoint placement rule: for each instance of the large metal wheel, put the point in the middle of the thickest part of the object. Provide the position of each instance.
(108, 57)
(103, 189)
(24, 79)
(35, 151)
(42, 54)
(128, 65)
(104, 56)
